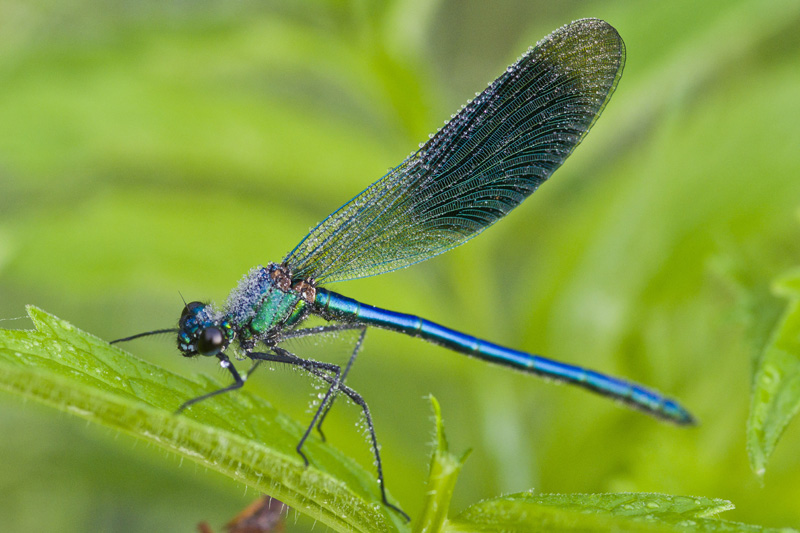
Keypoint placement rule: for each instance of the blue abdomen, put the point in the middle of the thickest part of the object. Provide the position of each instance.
(336, 306)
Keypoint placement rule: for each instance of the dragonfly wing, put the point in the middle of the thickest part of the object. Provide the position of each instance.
(492, 155)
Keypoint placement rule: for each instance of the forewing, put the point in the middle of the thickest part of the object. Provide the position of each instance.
(491, 156)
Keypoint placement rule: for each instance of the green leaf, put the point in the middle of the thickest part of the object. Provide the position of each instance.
(445, 468)
(631, 512)
(61, 366)
(776, 385)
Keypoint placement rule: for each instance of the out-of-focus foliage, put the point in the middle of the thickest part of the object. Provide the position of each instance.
(776, 387)
(631, 512)
(148, 148)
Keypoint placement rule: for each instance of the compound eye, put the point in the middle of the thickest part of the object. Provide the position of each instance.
(190, 308)
(211, 341)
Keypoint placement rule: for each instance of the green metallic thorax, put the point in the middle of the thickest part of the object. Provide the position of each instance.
(265, 300)
(277, 308)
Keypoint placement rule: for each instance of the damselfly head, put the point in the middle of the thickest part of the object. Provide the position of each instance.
(202, 332)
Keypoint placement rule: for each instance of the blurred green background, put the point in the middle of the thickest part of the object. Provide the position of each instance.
(153, 147)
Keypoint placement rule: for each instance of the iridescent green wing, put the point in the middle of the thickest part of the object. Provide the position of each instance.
(491, 156)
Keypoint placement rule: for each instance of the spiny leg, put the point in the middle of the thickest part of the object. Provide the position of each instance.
(318, 330)
(359, 400)
(321, 330)
(256, 364)
(318, 369)
(237, 384)
(356, 349)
